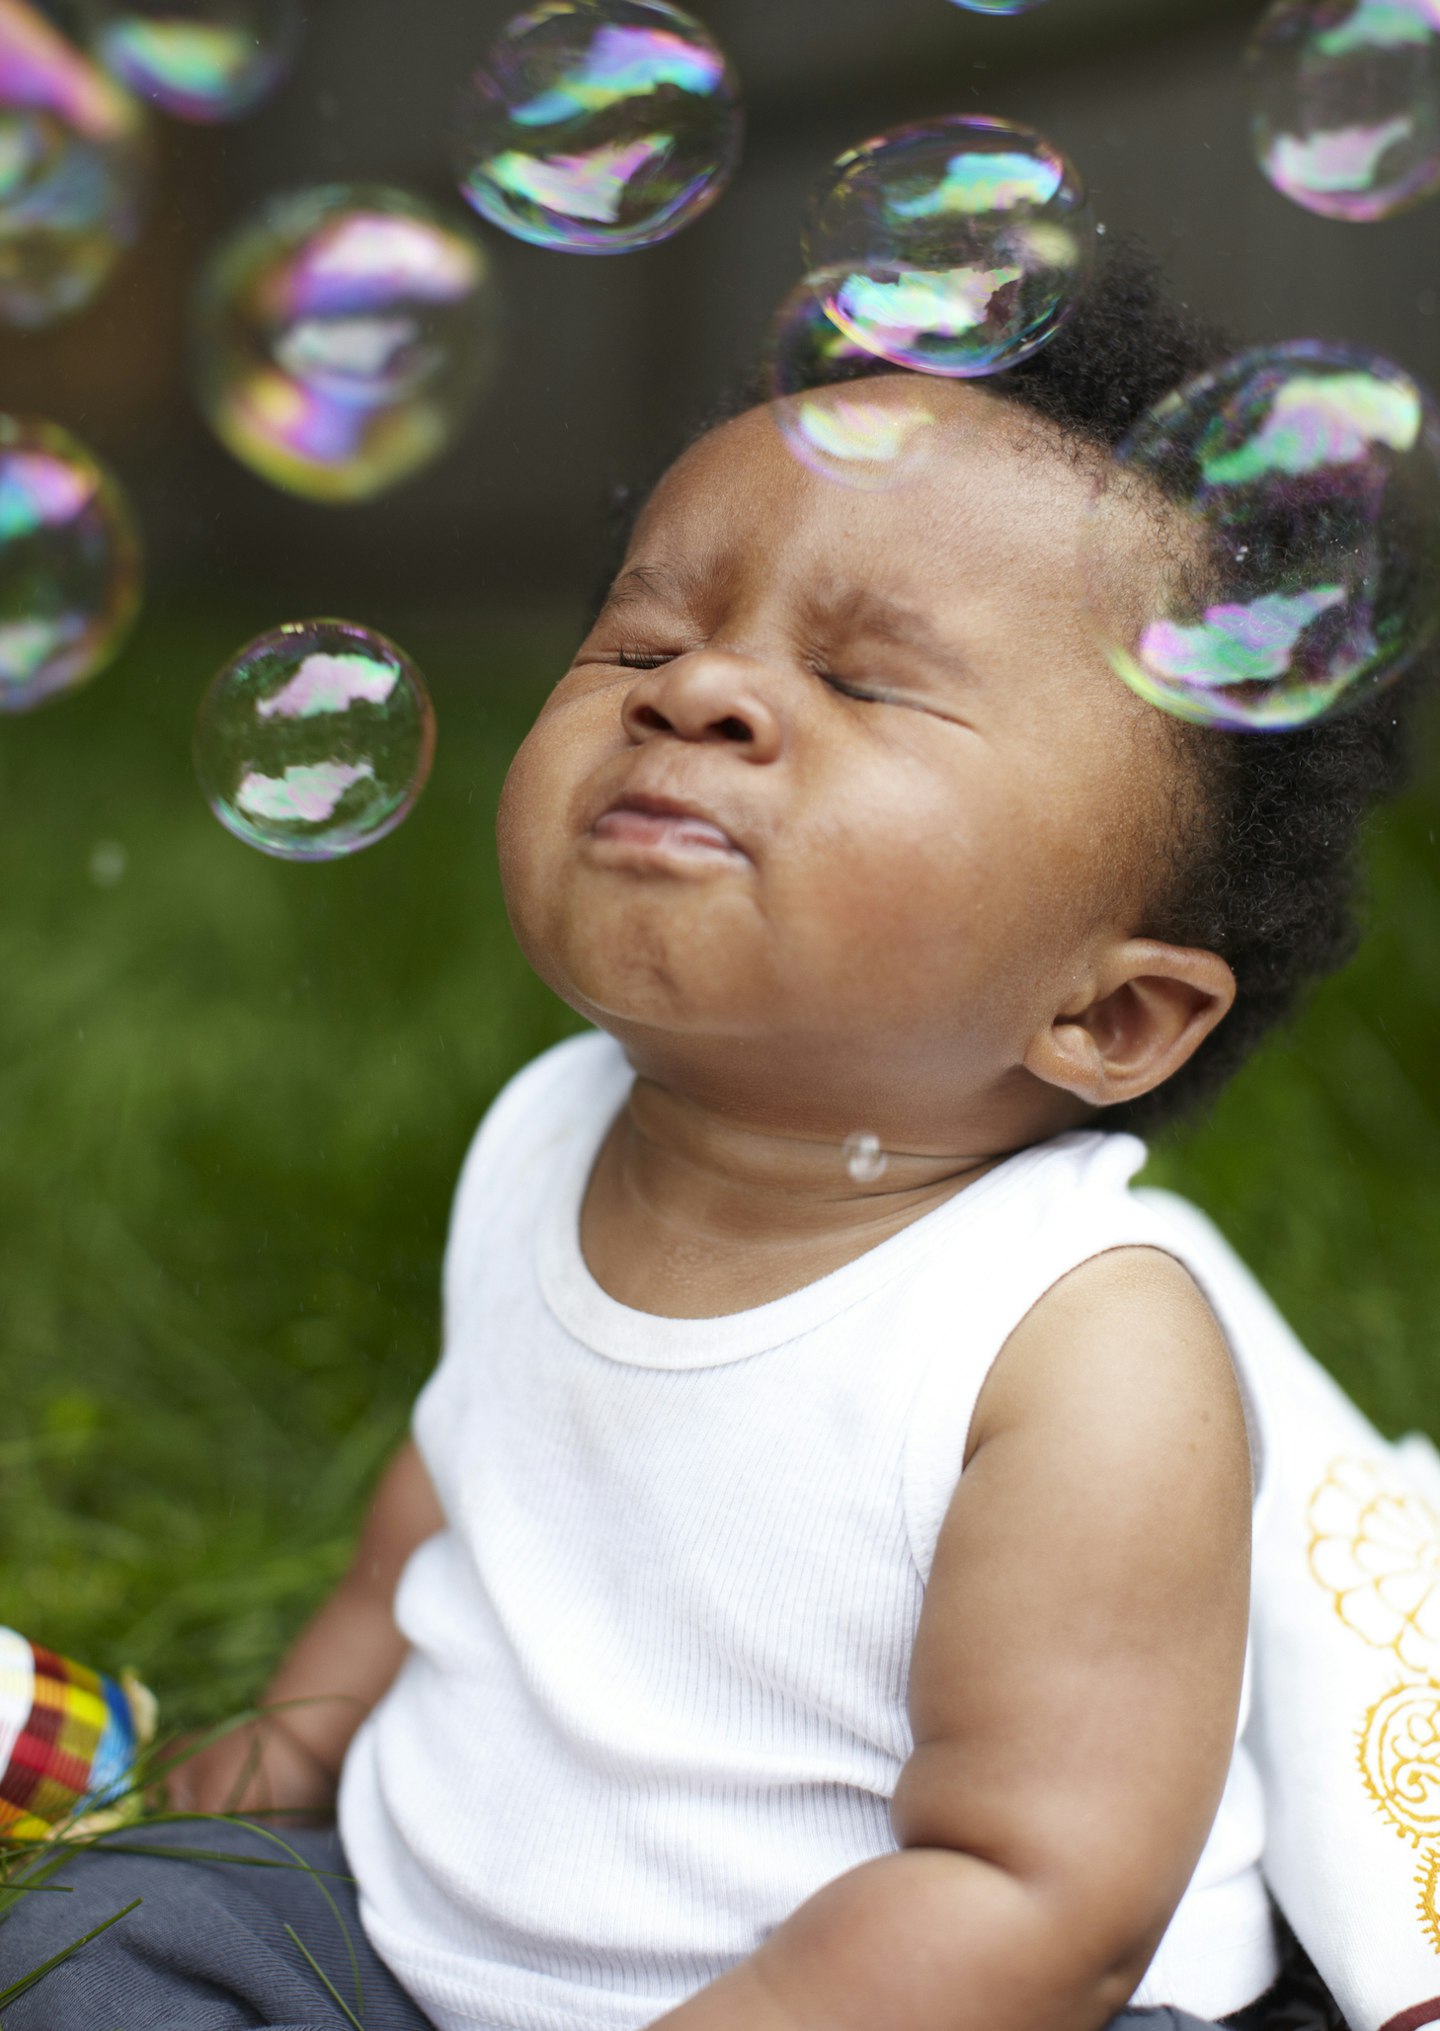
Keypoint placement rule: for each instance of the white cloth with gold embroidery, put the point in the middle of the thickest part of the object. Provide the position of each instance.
(655, 1691)
(1346, 1646)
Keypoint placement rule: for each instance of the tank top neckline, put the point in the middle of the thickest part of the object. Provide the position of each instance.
(652, 1340)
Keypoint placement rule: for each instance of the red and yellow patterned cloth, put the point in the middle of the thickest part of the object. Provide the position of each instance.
(68, 1738)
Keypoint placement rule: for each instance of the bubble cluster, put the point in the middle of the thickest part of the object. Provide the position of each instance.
(69, 564)
(599, 126)
(957, 247)
(1301, 537)
(1347, 104)
(342, 337)
(833, 414)
(74, 171)
(200, 60)
(315, 741)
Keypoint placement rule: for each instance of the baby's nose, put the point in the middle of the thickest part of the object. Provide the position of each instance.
(706, 696)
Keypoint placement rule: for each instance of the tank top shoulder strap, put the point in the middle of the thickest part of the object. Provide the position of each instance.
(1077, 1205)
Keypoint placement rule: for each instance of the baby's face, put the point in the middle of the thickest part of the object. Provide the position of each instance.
(841, 778)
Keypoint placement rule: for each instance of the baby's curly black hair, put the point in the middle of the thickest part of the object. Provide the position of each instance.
(1264, 865)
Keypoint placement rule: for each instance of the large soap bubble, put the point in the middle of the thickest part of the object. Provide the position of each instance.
(69, 564)
(959, 246)
(1298, 558)
(838, 409)
(1347, 103)
(341, 339)
(198, 59)
(598, 126)
(315, 741)
(74, 171)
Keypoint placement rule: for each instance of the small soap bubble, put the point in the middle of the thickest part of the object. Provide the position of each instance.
(1300, 544)
(958, 246)
(74, 171)
(1347, 104)
(315, 741)
(69, 564)
(599, 126)
(108, 862)
(342, 337)
(996, 6)
(201, 60)
(865, 1160)
(841, 411)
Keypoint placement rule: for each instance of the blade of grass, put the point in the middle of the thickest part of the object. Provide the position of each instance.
(336, 1997)
(18, 1989)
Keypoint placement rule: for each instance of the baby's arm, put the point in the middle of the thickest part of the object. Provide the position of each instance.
(348, 1654)
(1073, 1692)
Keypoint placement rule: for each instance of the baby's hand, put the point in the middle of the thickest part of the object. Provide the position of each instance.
(257, 1768)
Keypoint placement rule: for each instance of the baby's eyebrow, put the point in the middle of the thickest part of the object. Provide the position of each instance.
(639, 582)
(890, 620)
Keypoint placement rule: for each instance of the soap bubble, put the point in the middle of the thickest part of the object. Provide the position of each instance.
(959, 245)
(69, 564)
(74, 171)
(198, 59)
(832, 412)
(599, 126)
(1302, 540)
(315, 741)
(1347, 104)
(341, 338)
(997, 6)
(865, 1160)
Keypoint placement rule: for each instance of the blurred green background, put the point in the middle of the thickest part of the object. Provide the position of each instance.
(236, 1093)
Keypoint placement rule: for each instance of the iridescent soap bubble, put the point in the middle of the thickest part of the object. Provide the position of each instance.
(1347, 104)
(1291, 502)
(74, 171)
(997, 6)
(69, 564)
(341, 338)
(960, 246)
(599, 126)
(198, 59)
(838, 408)
(315, 741)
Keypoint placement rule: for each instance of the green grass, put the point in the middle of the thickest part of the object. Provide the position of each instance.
(234, 1095)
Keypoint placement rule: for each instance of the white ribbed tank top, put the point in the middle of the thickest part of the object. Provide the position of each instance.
(655, 1695)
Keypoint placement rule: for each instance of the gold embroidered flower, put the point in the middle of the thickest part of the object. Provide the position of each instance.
(1375, 1546)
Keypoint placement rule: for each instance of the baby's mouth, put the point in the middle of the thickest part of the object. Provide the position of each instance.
(664, 825)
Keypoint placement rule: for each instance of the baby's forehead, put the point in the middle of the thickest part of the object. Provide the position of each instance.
(994, 514)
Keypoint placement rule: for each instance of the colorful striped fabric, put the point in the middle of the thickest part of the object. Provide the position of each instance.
(68, 1738)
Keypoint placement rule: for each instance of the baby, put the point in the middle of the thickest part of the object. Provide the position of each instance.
(816, 1595)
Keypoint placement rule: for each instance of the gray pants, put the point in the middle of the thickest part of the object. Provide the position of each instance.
(207, 1950)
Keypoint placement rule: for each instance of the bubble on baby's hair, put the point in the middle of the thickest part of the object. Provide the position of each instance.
(599, 126)
(74, 171)
(1347, 103)
(833, 412)
(865, 1160)
(69, 564)
(341, 338)
(200, 60)
(1299, 553)
(315, 741)
(956, 247)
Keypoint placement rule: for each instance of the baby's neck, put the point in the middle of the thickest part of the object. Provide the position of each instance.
(691, 1214)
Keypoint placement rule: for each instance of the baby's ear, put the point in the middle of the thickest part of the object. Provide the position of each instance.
(1149, 1007)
